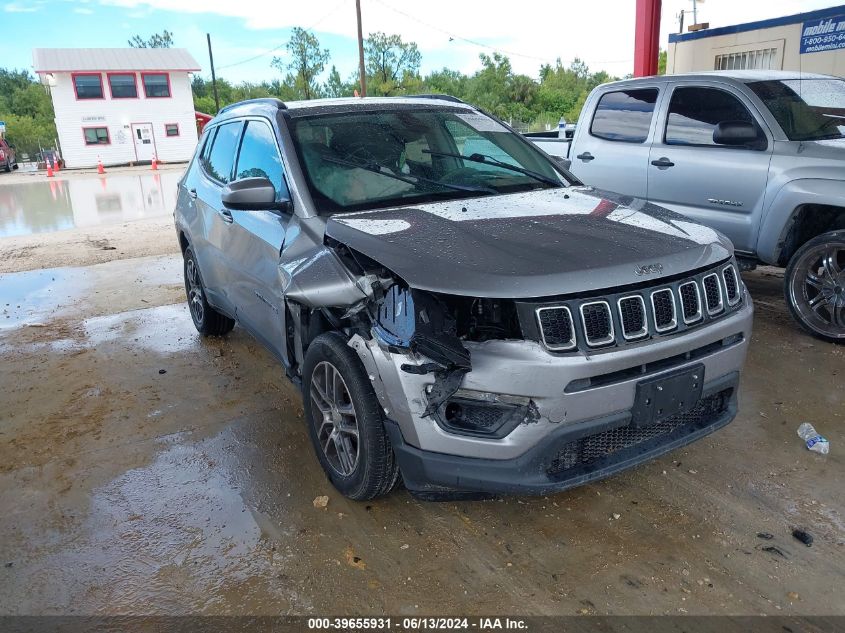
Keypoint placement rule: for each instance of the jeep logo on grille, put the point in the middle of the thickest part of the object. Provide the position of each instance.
(649, 269)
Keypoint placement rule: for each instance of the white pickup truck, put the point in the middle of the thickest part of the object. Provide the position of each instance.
(757, 155)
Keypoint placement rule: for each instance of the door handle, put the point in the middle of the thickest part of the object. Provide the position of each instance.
(585, 156)
(192, 193)
(663, 162)
(226, 216)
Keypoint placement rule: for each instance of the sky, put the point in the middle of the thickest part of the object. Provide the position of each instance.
(246, 34)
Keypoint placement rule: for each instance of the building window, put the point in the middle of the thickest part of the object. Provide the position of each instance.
(171, 129)
(122, 86)
(156, 84)
(88, 86)
(624, 115)
(96, 135)
(763, 59)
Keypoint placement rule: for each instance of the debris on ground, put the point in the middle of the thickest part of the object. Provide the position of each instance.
(765, 535)
(352, 560)
(793, 596)
(803, 536)
(815, 442)
(774, 550)
(321, 501)
(162, 371)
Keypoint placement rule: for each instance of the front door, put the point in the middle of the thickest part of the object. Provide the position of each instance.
(257, 238)
(720, 186)
(142, 135)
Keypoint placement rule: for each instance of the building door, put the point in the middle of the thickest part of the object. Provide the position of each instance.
(142, 136)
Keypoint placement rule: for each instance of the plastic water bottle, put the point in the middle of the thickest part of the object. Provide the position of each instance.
(815, 442)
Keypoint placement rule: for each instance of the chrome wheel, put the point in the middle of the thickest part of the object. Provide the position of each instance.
(334, 418)
(195, 297)
(817, 289)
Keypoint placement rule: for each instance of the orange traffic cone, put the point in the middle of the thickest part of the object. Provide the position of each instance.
(56, 166)
(155, 163)
(100, 169)
(49, 169)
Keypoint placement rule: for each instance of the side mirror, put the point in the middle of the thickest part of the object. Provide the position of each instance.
(563, 162)
(736, 134)
(252, 194)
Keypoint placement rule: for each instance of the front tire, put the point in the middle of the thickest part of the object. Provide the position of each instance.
(345, 421)
(207, 320)
(815, 286)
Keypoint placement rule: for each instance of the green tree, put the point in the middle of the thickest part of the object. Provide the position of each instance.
(27, 109)
(156, 40)
(661, 62)
(307, 61)
(391, 63)
(336, 87)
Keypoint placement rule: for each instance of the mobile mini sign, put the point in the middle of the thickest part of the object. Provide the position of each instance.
(827, 34)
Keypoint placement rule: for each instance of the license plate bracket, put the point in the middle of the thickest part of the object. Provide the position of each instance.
(667, 395)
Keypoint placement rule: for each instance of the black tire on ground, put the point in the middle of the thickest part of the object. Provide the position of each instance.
(814, 286)
(8, 167)
(332, 406)
(207, 320)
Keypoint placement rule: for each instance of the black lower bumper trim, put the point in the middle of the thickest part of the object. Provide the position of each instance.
(428, 472)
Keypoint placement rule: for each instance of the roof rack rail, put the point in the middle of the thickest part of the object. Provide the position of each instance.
(443, 97)
(268, 100)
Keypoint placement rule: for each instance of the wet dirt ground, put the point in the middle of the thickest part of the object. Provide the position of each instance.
(146, 470)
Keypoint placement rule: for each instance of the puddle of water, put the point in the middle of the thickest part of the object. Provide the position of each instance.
(29, 297)
(55, 205)
(144, 328)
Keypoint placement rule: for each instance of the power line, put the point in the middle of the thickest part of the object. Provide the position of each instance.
(453, 36)
(280, 46)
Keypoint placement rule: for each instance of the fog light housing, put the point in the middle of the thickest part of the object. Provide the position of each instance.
(485, 415)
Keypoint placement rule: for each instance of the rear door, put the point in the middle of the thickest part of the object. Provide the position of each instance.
(256, 241)
(611, 149)
(717, 185)
(216, 168)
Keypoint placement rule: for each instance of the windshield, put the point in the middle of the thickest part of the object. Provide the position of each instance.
(380, 158)
(806, 109)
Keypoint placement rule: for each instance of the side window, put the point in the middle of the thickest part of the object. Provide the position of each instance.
(259, 157)
(695, 112)
(218, 157)
(624, 115)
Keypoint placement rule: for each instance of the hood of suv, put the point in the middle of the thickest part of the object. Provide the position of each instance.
(536, 244)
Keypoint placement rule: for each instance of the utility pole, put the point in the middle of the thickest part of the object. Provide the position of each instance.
(361, 68)
(213, 76)
(681, 17)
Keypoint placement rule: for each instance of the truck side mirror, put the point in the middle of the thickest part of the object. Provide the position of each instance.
(252, 194)
(737, 134)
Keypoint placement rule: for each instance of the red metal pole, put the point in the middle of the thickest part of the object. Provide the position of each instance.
(647, 38)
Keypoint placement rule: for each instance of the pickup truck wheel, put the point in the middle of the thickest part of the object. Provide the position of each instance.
(207, 320)
(345, 421)
(815, 286)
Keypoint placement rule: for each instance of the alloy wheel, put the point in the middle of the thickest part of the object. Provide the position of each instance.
(334, 418)
(195, 296)
(817, 289)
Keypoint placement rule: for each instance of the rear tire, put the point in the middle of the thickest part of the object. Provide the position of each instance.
(207, 320)
(345, 421)
(814, 286)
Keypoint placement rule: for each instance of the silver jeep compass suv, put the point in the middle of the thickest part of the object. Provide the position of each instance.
(458, 309)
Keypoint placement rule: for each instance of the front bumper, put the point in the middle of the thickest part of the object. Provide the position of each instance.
(574, 396)
(428, 472)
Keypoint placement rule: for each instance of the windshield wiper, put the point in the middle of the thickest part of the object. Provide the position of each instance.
(489, 160)
(411, 180)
